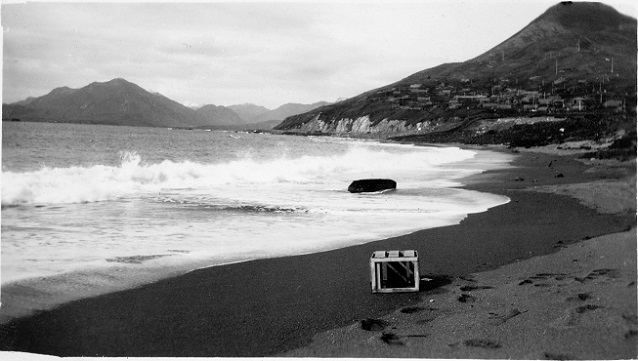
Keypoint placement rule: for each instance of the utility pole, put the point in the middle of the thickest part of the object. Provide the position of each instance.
(556, 66)
(612, 65)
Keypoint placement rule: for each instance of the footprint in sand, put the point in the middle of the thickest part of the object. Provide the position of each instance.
(542, 277)
(608, 272)
(465, 298)
(631, 318)
(424, 321)
(397, 340)
(373, 324)
(413, 309)
(557, 356)
(579, 297)
(597, 273)
(496, 319)
(474, 288)
(391, 339)
(585, 308)
(482, 343)
(572, 316)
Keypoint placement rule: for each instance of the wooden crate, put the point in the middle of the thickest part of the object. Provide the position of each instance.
(394, 271)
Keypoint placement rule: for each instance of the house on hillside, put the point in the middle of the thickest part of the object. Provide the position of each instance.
(419, 90)
(454, 104)
(424, 100)
(577, 104)
(552, 102)
(494, 105)
(528, 97)
(616, 105)
(445, 92)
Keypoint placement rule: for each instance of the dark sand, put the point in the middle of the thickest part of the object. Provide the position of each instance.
(268, 307)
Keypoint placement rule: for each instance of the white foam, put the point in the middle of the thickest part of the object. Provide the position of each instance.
(134, 177)
(153, 220)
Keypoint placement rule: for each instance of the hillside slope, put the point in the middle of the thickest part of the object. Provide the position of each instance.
(572, 58)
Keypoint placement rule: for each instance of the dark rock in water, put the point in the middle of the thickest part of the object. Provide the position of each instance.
(371, 185)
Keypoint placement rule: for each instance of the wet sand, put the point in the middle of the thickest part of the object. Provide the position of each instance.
(290, 306)
(577, 303)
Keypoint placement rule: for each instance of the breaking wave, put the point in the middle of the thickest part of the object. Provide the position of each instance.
(133, 177)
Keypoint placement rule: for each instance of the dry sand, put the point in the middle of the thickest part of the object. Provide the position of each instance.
(578, 303)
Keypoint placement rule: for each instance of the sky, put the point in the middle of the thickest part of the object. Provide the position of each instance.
(265, 53)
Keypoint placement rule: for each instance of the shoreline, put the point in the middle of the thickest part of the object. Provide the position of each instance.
(268, 307)
(37, 293)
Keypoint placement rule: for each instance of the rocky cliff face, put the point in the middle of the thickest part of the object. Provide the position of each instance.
(361, 125)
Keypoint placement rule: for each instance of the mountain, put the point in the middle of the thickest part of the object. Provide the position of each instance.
(120, 102)
(257, 117)
(248, 112)
(115, 102)
(287, 110)
(263, 117)
(573, 57)
(218, 115)
(570, 40)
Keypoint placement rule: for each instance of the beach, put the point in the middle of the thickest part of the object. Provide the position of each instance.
(551, 274)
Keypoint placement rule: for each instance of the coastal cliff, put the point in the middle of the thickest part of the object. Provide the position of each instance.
(360, 125)
(560, 65)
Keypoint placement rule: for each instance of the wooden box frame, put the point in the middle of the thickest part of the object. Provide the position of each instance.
(394, 271)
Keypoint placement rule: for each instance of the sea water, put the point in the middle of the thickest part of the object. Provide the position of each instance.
(88, 209)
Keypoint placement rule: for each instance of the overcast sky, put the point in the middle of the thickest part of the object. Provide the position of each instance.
(264, 53)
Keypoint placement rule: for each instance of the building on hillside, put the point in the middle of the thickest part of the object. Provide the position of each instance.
(445, 92)
(494, 105)
(554, 101)
(577, 104)
(419, 90)
(612, 103)
(616, 105)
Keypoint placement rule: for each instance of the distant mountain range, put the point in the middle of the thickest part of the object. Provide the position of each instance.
(287, 110)
(116, 102)
(120, 102)
(260, 117)
(220, 115)
(248, 111)
(576, 56)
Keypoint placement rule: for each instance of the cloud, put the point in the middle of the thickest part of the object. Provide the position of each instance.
(228, 53)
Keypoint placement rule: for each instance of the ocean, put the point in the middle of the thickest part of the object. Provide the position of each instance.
(89, 209)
